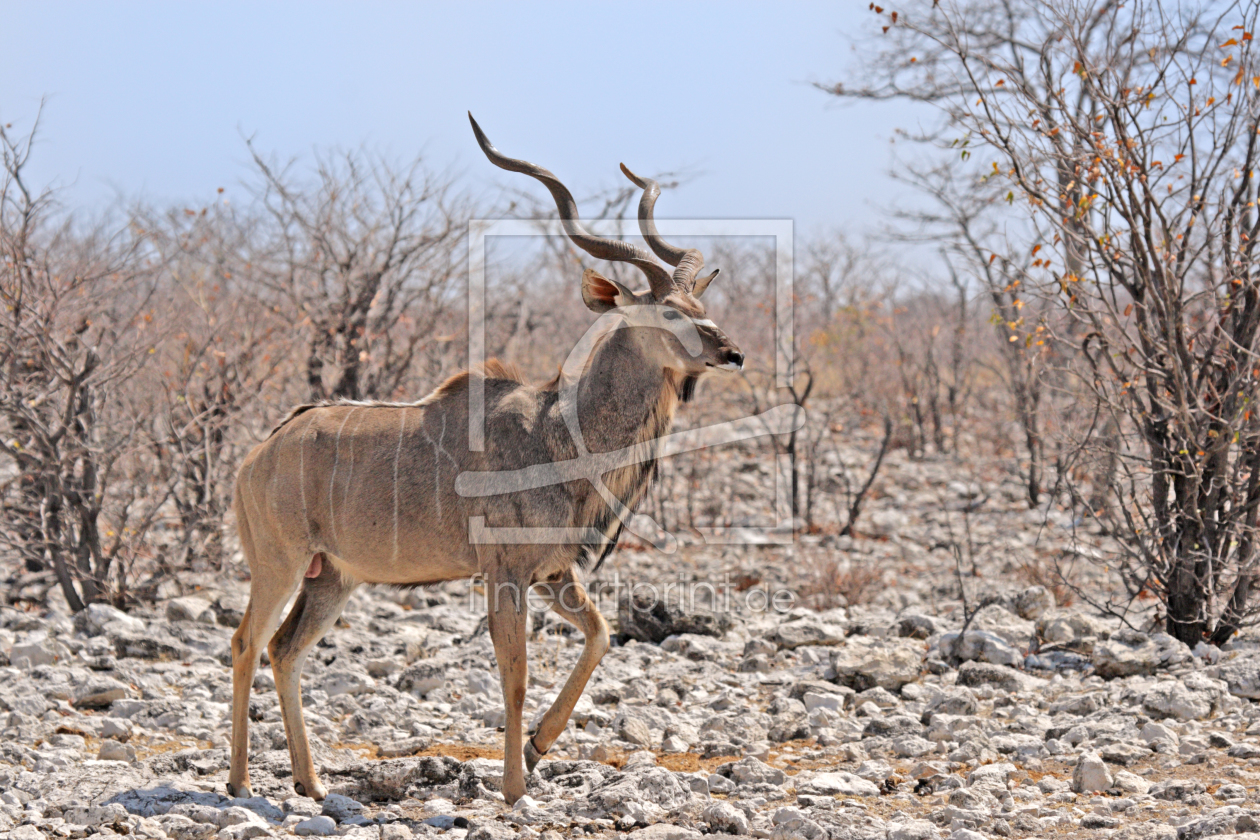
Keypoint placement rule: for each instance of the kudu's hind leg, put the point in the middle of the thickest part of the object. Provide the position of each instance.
(269, 589)
(569, 600)
(507, 612)
(317, 607)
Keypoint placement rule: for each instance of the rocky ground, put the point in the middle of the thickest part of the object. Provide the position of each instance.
(880, 720)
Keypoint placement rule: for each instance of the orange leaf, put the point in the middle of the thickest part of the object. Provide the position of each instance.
(1232, 42)
(1128, 310)
(894, 17)
(992, 257)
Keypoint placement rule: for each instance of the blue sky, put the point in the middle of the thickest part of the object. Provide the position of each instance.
(152, 100)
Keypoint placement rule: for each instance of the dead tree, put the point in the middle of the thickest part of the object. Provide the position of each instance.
(1126, 135)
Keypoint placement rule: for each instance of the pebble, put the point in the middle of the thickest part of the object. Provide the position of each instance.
(320, 826)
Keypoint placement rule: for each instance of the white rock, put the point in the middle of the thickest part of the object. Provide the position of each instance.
(864, 662)
(831, 702)
(838, 784)
(751, 771)
(886, 522)
(346, 682)
(991, 775)
(190, 608)
(787, 814)
(662, 831)
(725, 818)
(39, 649)
(321, 826)
(100, 618)
(1128, 653)
(911, 746)
(112, 750)
(1001, 622)
(979, 646)
(119, 729)
(1152, 732)
(99, 692)
(966, 834)
(1131, 782)
(341, 808)
(1242, 675)
(635, 731)
(1091, 774)
(1172, 699)
(913, 830)
(1210, 654)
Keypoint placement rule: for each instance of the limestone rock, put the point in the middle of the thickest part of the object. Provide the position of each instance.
(837, 784)
(190, 609)
(1000, 676)
(863, 662)
(1091, 774)
(1128, 653)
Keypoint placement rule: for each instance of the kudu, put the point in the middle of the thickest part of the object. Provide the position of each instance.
(347, 493)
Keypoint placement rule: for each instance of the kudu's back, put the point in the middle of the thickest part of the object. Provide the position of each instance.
(372, 486)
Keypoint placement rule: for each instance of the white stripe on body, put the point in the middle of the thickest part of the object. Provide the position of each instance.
(332, 481)
(402, 425)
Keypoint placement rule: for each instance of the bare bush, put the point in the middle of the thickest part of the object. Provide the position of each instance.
(77, 329)
(364, 261)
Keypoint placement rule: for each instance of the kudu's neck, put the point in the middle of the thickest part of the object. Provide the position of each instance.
(624, 397)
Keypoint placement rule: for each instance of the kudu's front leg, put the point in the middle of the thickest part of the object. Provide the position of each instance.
(507, 614)
(569, 600)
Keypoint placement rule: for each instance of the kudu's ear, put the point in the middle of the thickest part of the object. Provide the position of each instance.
(601, 294)
(703, 283)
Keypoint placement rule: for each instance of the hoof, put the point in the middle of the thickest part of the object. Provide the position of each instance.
(239, 791)
(315, 791)
(532, 755)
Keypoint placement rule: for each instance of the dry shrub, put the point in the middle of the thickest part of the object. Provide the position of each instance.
(1045, 572)
(839, 582)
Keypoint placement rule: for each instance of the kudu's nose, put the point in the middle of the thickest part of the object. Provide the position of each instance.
(735, 359)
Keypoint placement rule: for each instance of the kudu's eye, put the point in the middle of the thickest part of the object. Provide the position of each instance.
(670, 315)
